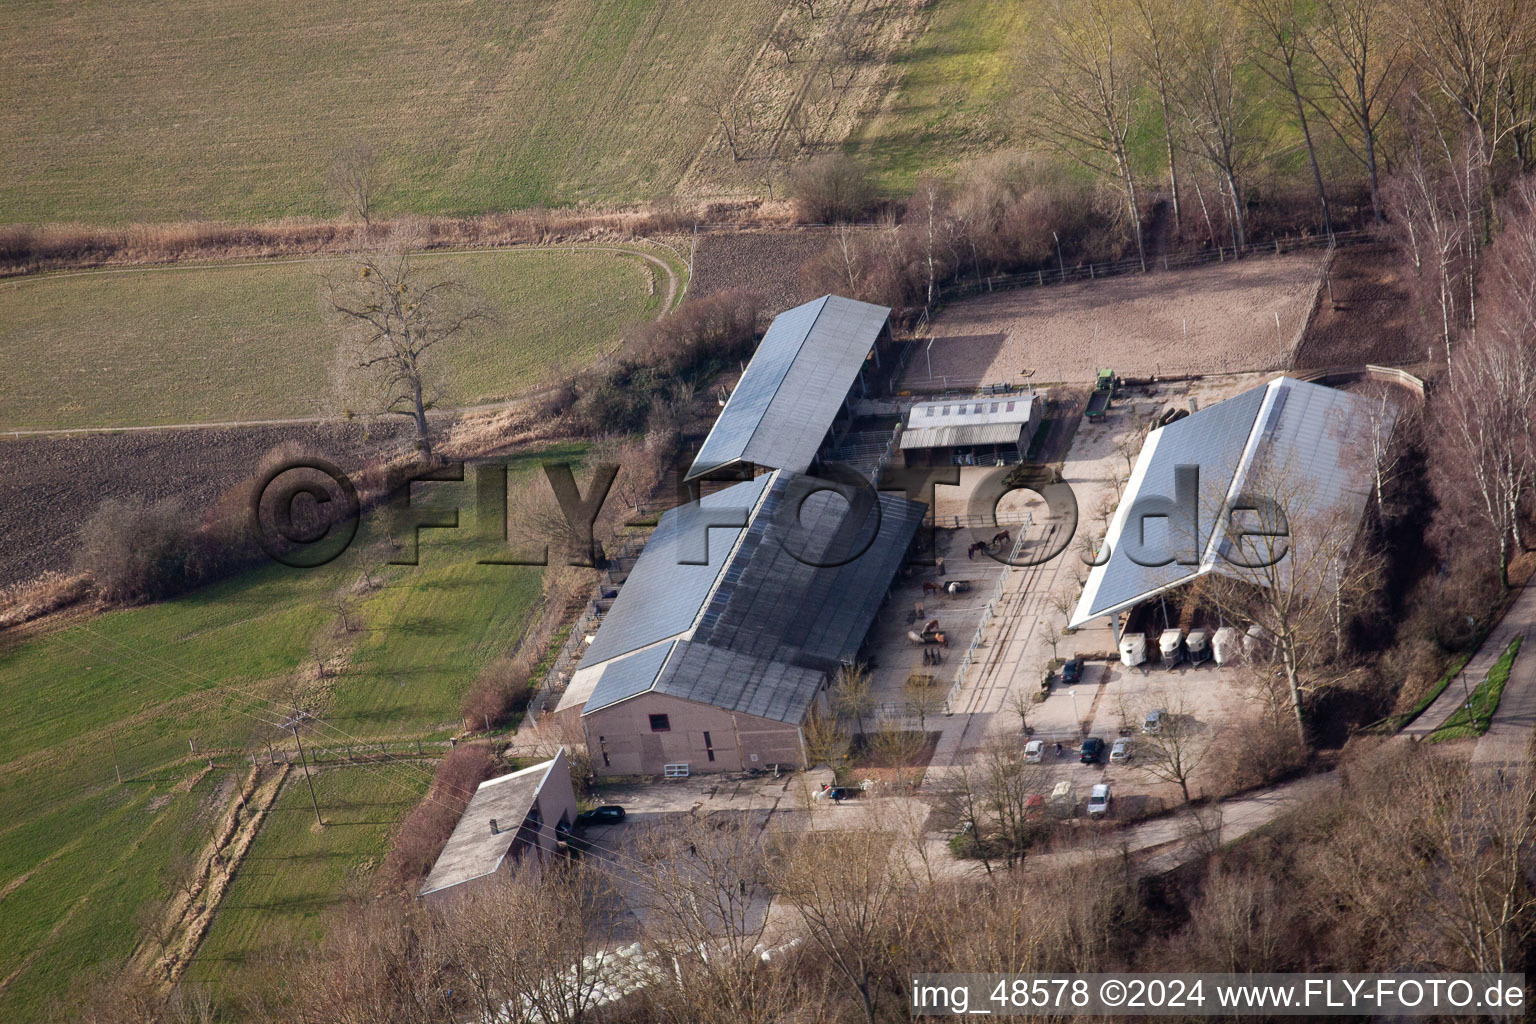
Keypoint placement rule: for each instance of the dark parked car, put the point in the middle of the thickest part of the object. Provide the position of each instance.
(1072, 672)
(837, 794)
(608, 814)
(1092, 750)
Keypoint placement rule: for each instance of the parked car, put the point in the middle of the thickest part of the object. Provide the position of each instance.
(1072, 672)
(1099, 800)
(1154, 722)
(1122, 750)
(608, 814)
(1034, 805)
(1034, 751)
(1091, 751)
(837, 794)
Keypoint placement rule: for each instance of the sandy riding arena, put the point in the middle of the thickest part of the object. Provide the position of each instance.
(1134, 325)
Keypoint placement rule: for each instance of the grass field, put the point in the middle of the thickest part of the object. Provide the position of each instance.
(244, 342)
(294, 872)
(144, 111)
(87, 869)
(1474, 717)
(954, 95)
(143, 687)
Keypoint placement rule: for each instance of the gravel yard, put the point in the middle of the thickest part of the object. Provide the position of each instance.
(1133, 324)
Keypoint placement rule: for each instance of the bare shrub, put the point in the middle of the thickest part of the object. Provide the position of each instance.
(669, 358)
(500, 692)
(135, 551)
(425, 830)
(832, 188)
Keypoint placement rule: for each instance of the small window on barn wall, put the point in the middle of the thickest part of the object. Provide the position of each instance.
(1010, 407)
(661, 723)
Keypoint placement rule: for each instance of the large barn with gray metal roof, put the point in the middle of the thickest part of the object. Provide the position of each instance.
(1315, 436)
(713, 659)
(806, 372)
(745, 602)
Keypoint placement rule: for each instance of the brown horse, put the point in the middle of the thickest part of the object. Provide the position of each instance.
(930, 587)
(1001, 537)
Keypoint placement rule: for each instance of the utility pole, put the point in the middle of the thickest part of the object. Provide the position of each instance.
(115, 766)
(293, 724)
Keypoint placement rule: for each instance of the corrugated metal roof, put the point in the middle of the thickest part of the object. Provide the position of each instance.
(787, 398)
(950, 437)
(977, 409)
(621, 678)
(793, 600)
(663, 594)
(1307, 428)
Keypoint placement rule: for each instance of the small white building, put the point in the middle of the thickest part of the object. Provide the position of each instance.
(981, 430)
(516, 822)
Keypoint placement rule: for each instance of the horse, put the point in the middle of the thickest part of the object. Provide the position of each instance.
(930, 587)
(1001, 537)
(971, 551)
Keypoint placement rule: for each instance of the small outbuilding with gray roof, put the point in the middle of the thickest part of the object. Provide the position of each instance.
(978, 430)
(516, 822)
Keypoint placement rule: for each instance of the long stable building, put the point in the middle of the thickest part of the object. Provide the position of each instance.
(745, 603)
(811, 366)
(712, 657)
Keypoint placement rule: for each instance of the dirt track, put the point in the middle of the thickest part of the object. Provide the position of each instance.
(1134, 325)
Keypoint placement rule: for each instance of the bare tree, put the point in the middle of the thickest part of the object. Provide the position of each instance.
(852, 693)
(825, 743)
(1282, 44)
(1156, 26)
(527, 949)
(1292, 563)
(1219, 109)
(1022, 703)
(1081, 92)
(1360, 62)
(1482, 456)
(1458, 854)
(1428, 197)
(394, 314)
(355, 179)
(1011, 793)
(786, 39)
(703, 898)
(852, 899)
(1177, 750)
(922, 698)
(1471, 54)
